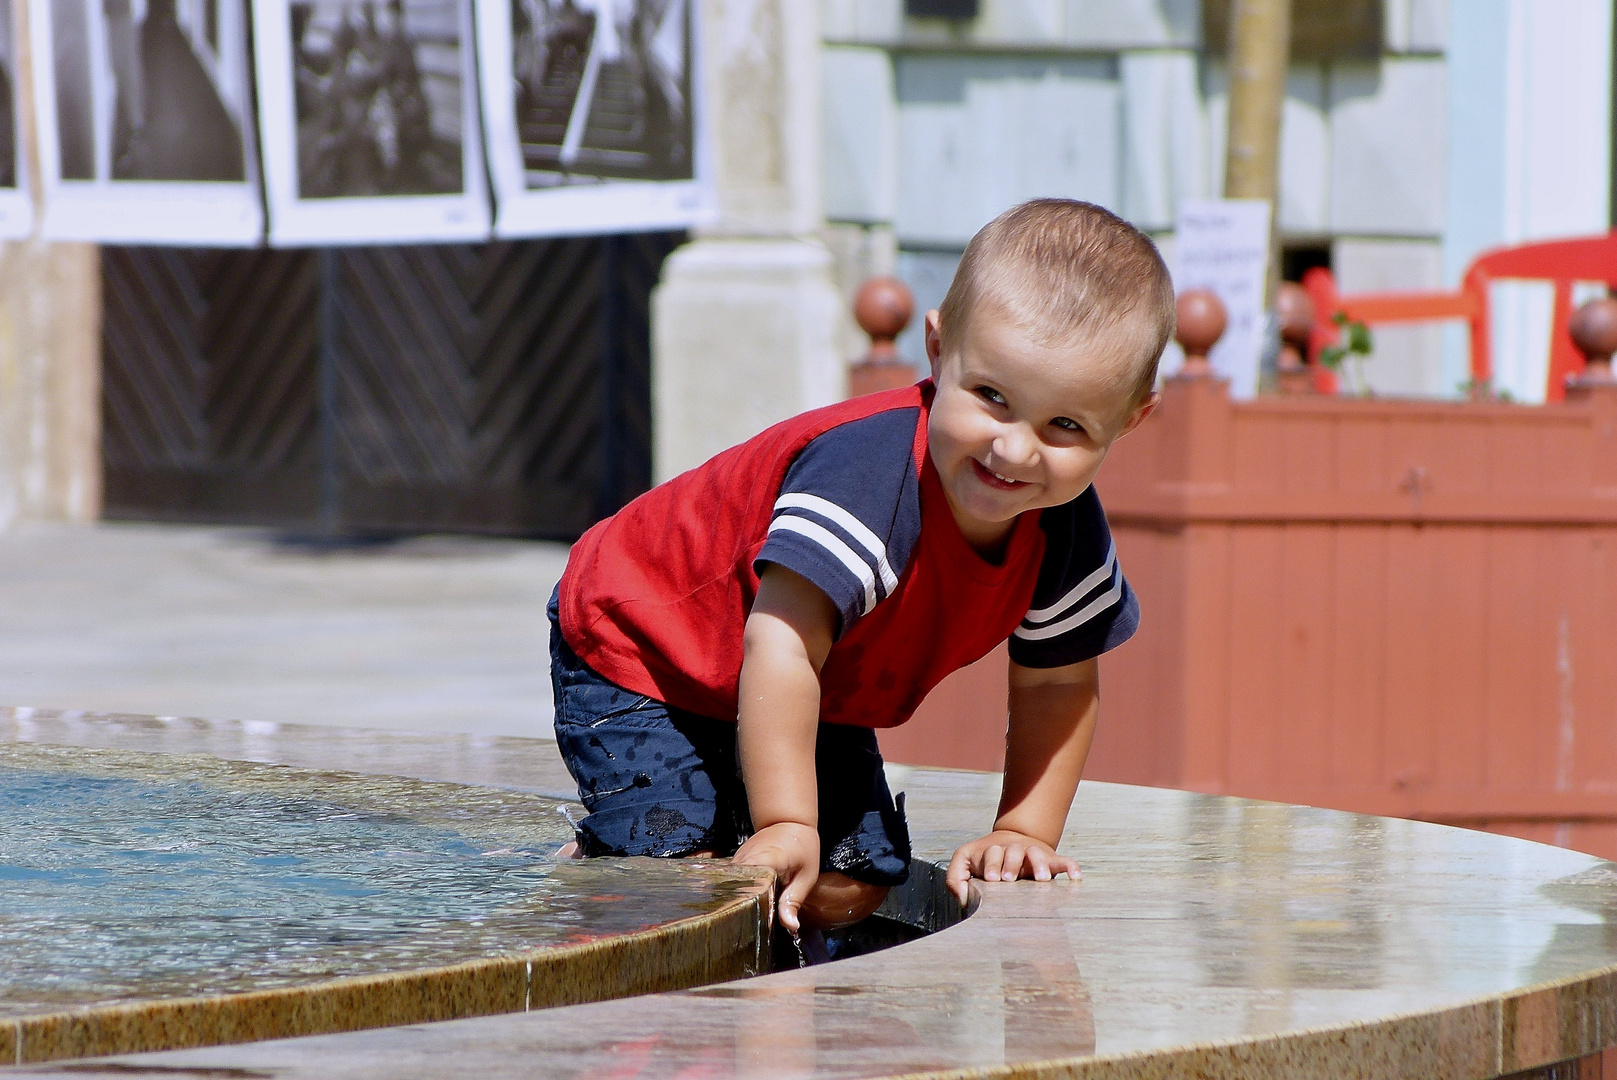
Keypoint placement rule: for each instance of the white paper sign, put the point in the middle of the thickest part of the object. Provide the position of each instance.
(1223, 245)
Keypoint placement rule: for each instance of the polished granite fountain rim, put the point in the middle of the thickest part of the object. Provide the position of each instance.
(665, 925)
(1211, 936)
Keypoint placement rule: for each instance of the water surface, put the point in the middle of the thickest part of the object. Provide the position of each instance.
(131, 876)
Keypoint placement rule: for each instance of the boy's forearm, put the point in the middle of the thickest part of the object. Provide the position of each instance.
(1051, 727)
(786, 639)
(777, 728)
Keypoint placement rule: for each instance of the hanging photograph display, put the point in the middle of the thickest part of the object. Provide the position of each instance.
(592, 115)
(16, 208)
(145, 121)
(370, 122)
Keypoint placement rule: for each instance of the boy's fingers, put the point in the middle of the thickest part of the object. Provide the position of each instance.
(958, 875)
(1013, 863)
(788, 916)
(993, 860)
(792, 897)
(1038, 865)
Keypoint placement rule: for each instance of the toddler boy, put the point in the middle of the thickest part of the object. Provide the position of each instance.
(724, 647)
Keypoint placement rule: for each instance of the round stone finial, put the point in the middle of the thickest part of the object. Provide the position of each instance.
(883, 307)
(1295, 310)
(1202, 318)
(1594, 331)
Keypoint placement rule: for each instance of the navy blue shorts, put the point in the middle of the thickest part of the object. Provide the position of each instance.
(661, 781)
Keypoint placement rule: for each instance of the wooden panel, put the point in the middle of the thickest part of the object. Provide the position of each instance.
(1459, 675)
(1408, 745)
(208, 388)
(1518, 714)
(1357, 702)
(489, 387)
(1586, 566)
(1135, 742)
(1254, 757)
(961, 724)
(1203, 718)
(1307, 642)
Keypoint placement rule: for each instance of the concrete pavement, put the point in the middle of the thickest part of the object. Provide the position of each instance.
(442, 634)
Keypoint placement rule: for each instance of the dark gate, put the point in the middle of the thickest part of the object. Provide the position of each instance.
(488, 388)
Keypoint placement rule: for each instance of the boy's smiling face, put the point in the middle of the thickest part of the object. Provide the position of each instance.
(1018, 424)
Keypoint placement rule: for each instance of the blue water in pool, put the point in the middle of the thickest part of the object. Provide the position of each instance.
(116, 887)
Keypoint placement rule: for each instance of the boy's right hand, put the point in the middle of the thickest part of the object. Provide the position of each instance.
(792, 851)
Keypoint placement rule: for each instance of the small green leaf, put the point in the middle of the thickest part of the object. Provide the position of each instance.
(1358, 338)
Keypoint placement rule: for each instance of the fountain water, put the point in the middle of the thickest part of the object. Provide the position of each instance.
(225, 897)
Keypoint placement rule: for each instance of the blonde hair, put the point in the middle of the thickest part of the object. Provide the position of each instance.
(1061, 266)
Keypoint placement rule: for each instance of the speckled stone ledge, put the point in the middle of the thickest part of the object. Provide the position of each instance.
(1210, 937)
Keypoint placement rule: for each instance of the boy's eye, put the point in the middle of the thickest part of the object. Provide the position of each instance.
(988, 393)
(1066, 424)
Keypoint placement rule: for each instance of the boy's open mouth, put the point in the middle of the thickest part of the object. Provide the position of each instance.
(994, 479)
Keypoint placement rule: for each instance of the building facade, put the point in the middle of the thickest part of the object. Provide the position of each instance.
(1415, 134)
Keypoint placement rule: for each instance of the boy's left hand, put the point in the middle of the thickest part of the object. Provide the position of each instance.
(1004, 855)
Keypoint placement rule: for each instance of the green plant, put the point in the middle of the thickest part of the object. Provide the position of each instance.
(1355, 346)
(1483, 390)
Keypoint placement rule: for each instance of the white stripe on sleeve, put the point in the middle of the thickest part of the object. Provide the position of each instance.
(833, 544)
(851, 525)
(1089, 611)
(1078, 592)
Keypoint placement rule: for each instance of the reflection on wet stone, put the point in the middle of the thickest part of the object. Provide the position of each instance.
(1288, 910)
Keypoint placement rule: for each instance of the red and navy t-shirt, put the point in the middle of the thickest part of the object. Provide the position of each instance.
(655, 598)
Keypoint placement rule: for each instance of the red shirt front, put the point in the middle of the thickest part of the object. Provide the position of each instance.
(655, 598)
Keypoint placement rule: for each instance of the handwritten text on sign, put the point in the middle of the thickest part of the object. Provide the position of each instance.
(1223, 245)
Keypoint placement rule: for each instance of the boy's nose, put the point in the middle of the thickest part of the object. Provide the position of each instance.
(1015, 446)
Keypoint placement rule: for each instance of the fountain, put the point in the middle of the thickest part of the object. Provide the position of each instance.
(155, 901)
(1209, 936)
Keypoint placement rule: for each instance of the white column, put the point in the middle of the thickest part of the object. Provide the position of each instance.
(744, 323)
(50, 359)
(50, 382)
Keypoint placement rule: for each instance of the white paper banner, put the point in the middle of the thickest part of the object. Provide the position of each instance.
(1223, 245)
(370, 118)
(593, 115)
(144, 111)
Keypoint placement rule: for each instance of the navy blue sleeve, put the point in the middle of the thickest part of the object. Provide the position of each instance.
(1082, 605)
(849, 512)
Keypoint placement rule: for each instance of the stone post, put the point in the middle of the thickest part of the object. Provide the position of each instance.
(50, 357)
(745, 320)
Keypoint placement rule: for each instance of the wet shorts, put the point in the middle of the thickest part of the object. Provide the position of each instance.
(661, 781)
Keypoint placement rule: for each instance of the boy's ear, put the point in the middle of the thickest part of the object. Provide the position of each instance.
(934, 342)
(1141, 411)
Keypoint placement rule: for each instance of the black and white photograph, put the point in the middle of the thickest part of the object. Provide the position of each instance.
(370, 121)
(146, 121)
(592, 114)
(16, 209)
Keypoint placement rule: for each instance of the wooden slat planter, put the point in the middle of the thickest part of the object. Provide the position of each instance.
(1393, 607)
